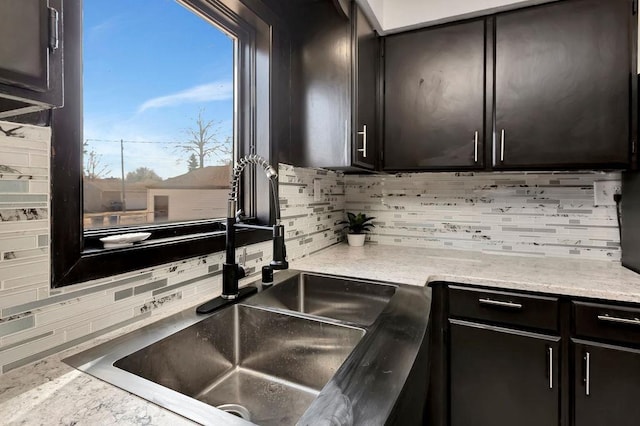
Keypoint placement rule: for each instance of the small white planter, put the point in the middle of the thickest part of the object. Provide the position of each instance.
(356, 240)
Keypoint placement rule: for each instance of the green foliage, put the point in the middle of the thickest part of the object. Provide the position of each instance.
(193, 163)
(358, 224)
(142, 174)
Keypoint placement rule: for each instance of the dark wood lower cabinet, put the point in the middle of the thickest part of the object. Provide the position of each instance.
(495, 362)
(501, 376)
(606, 385)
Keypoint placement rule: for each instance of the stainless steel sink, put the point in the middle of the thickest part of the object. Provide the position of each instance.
(345, 299)
(271, 364)
(312, 349)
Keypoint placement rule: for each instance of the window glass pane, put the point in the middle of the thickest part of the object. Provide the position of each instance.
(158, 110)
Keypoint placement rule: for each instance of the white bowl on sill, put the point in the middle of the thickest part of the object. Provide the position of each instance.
(124, 240)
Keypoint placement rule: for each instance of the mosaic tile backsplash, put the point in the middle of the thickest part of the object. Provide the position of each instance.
(511, 213)
(539, 214)
(36, 321)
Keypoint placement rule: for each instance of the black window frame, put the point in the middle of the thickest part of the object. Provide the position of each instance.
(76, 255)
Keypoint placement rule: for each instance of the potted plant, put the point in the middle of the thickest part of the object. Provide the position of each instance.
(358, 225)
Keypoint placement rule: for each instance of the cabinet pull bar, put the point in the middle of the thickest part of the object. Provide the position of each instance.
(54, 29)
(475, 148)
(500, 303)
(363, 150)
(348, 144)
(502, 145)
(587, 379)
(629, 321)
(550, 367)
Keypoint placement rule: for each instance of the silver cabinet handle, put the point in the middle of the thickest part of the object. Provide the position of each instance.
(54, 29)
(502, 145)
(629, 321)
(475, 148)
(500, 303)
(363, 150)
(587, 379)
(347, 135)
(550, 367)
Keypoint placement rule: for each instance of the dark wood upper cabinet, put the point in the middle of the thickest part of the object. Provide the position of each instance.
(434, 98)
(30, 56)
(548, 87)
(334, 64)
(564, 76)
(366, 50)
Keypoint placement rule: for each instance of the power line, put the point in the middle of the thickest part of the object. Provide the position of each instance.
(118, 141)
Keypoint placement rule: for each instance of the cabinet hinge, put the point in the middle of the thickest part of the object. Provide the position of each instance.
(633, 147)
(634, 6)
(54, 29)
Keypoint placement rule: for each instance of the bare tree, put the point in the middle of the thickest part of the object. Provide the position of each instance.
(93, 166)
(204, 140)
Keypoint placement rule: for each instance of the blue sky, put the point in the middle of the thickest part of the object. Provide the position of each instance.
(149, 67)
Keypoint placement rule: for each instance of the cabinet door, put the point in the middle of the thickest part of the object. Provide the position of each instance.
(501, 376)
(366, 87)
(434, 98)
(24, 54)
(30, 55)
(607, 385)
(322, 86)
(563, 85)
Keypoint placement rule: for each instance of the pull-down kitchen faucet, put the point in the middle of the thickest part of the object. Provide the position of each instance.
(231, 271)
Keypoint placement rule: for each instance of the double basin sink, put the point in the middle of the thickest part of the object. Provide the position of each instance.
(290, 354)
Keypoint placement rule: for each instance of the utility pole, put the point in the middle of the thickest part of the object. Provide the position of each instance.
(124, 198)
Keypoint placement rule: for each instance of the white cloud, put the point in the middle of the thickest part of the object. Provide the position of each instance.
(104, 25)
(216, 91)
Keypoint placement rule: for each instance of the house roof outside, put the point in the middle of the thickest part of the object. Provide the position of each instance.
(115, 185)
(210, 177)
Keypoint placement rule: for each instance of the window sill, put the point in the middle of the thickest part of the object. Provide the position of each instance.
(161, 231)
(95, 263)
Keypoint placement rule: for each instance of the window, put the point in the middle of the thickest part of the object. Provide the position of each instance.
(77, 254)
(158, 85)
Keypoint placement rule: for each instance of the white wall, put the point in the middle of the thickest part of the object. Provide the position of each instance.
(377, 6)
(191, 204)
(374, 10)
(396, 15)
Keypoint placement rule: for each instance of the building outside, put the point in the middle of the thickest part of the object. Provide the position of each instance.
(199, 194)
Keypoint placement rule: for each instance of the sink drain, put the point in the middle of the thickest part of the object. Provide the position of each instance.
(237, 410)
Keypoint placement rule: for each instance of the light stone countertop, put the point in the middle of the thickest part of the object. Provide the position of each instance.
(418, 266)
(49, 392)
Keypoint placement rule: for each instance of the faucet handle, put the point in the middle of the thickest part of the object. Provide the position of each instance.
(279, 249)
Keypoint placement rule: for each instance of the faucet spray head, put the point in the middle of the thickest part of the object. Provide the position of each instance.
(271, 173)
